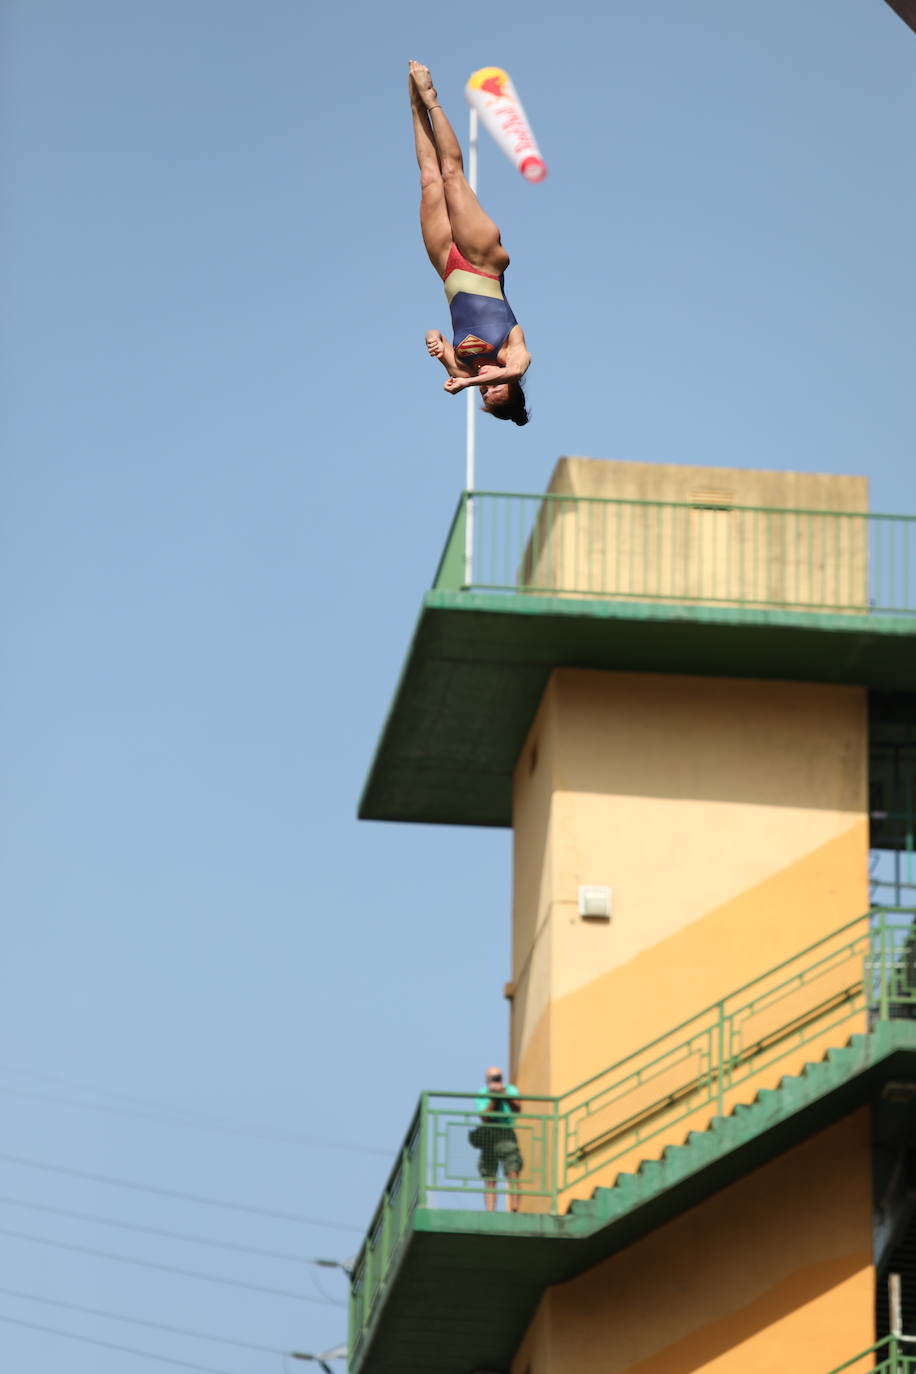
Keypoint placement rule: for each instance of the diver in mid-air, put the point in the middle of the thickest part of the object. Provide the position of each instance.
(464, 245)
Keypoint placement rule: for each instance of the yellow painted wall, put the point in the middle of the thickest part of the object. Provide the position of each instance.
(772, 1274)
(729, 818)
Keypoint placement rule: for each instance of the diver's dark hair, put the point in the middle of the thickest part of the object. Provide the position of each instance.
(514, 409)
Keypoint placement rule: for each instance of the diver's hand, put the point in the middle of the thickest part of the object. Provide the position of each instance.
(435, 344)
(456, 384)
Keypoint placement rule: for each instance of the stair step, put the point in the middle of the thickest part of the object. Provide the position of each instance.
(700, 1145)
(604, 1204)
(626, 1183)
(579, 1206)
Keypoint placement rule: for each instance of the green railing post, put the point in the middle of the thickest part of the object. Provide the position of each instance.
(450, 574)
(883, 998)
(555, 1161)
(385, 1232)
(422, 1148)
(354, 1316)
(468, 559)
(720, 1076)
(405, 1186)
(370, 1269)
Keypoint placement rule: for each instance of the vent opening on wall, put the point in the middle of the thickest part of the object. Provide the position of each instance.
(712, 498)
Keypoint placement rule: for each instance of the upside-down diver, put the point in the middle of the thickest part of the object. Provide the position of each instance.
(464, 246)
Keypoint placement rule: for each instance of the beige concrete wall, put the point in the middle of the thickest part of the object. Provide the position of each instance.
(772, 1274)
(707, 535)
(708, 485)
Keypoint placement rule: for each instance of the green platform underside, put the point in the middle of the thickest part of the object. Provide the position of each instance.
(478, 665)
(468, 1283)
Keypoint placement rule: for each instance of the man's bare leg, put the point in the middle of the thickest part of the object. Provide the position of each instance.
(491, 1195)
(512, 1180)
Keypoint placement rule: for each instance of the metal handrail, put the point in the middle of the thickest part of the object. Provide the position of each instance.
(896, 1361)
(699, 505)
(711, 1007)
(693, 552)
(749, 1053)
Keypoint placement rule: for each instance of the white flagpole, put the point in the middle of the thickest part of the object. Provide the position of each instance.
(471, 393)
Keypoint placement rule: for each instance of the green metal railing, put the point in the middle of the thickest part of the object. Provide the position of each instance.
(702, 552)
(703, 1062)
(887, 1357)
(865, 971)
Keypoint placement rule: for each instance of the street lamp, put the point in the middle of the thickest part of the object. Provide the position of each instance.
(338, 1353)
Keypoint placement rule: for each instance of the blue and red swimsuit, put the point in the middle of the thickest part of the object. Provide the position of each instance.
(481, 316)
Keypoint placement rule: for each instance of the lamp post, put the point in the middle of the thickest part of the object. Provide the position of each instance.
(338, 1353)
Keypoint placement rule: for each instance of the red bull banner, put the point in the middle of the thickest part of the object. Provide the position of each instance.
(491, 93)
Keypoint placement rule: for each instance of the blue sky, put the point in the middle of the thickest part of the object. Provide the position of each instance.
(228, 472)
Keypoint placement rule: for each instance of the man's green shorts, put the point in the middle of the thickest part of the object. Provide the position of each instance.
(500, 1147)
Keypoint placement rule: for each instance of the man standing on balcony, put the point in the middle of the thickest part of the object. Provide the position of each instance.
(497, 1106)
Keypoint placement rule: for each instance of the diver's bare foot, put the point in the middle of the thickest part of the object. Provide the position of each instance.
(424, 84)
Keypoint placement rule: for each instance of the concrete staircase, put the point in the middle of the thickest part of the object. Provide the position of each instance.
(746, 1127)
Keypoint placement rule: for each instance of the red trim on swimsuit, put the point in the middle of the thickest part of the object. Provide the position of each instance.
(457, 260)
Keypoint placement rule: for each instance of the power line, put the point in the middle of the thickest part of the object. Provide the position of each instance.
(141, 1321)
(168, 1235)
(168, 1268)
(109, 1345)
(202, 1123)
(184, 1197)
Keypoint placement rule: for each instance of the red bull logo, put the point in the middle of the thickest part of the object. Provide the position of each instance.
(493, 80)
(490, 91)
(494, 85)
